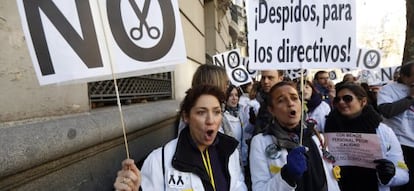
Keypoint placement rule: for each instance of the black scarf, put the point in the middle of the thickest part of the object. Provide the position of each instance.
(367, 122)
(314, 101)
(233, 110)
(314, 179)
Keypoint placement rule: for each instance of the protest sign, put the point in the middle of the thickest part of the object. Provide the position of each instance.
(354, 149)
(232, 61)
(387, 73)
(368, 59)
(253, 73)
(301, 34)
(295, 73)
(378, 76)
(87, 40)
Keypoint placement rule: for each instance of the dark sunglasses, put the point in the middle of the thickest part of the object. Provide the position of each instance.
(346, 98)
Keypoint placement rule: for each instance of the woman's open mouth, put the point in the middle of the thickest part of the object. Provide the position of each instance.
(209, 136)
(292, 113)
(210, 132)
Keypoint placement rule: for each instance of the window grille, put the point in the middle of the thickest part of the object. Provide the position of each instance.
(131, 90)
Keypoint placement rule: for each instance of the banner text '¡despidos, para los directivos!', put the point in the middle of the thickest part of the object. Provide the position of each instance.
(297, 12)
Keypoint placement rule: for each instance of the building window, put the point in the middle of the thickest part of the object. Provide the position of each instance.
(234, 13)
(138, 89)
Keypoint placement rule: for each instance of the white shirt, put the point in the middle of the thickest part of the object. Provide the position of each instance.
(403, 123)
(319, 115)
(237, 125)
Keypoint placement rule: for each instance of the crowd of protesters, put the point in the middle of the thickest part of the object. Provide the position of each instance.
(265, 136)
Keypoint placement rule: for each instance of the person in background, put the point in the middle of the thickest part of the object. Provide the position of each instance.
(316, 109)
(372, 96)
(277, 160)
(396, 104)
(353, 114)
(396, 75)
(332, 92)
(321, 82)
(201, 158)
(349, 78)
(238, 120)
(252, 109)
(245, 89)
(268, 79)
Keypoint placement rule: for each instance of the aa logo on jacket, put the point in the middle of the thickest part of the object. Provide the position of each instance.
(178, 180)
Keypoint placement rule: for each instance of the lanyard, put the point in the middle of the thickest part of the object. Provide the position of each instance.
(326, 154)
(207, 165)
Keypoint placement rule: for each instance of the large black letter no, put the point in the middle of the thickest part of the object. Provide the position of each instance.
(87, 48)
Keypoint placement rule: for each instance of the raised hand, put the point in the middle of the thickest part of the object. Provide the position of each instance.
(296, 162)
(129, 178)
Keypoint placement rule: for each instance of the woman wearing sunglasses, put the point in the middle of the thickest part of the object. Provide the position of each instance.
(351, 113)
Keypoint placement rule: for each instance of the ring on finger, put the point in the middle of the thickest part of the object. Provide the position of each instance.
(125, 180)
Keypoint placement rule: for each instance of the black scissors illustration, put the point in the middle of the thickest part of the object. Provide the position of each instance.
(136, 33)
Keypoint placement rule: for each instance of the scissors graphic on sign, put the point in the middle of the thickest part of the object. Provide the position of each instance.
(136, 33)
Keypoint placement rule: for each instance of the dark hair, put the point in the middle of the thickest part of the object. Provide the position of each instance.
(344, 79)
(277, 86)
(230, 88)
(365, 86)
(279, 72)
(196, 92)
(245, 86)
(405, 69)
(307, 82)
(319, 72)
(254, 90)
(315, 92)
(371, 96)
(354, 88)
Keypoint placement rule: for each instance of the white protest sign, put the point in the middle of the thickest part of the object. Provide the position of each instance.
(387, 73)
(79, 40)
(295, 73)
(308, 34)
(232, 61)
(354, 149)
(378, 76)
(368, 59)
(253, 73)
(333, 75)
